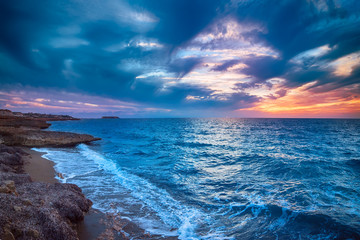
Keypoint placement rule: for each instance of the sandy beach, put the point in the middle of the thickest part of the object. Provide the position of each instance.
(40, 169)
(96, 224)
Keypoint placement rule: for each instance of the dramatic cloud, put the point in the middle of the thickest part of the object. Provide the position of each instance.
(181, 58)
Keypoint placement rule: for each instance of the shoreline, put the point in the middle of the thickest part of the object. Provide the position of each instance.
(39, 168)
(25, 174)
(42, 169)
(97, 225)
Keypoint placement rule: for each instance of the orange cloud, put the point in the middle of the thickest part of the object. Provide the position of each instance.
(302, 102)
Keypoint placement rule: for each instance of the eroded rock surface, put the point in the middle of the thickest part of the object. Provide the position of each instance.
(36, 138)
(26, 130)
(35, 210)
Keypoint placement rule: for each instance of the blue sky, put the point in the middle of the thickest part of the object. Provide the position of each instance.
(166, 58)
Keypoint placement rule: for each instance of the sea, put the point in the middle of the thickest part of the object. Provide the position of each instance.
(214, 178)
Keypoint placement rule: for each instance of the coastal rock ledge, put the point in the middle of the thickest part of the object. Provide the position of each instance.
(26, 130)
(36, 210)
(33, 138)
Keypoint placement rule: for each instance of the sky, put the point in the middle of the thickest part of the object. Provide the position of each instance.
(181, 58)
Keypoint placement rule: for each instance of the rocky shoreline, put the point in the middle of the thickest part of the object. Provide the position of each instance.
(36, 210)
(27, 130)
(48, 210)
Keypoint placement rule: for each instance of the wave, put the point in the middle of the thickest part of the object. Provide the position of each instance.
(272, 221)
(208, 179)
(172, 212)
(192, 144)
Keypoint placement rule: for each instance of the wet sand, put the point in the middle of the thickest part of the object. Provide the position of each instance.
(40, 169)
(96, 225)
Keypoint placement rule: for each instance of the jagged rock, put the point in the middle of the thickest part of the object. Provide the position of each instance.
(4, 189)
(12, 150)
(53, 210)
(10, 159)
(18, 178)
(5, 168)
(17, 208)
(10, 185)
(36, 210)
(7, 186)
(8, 235)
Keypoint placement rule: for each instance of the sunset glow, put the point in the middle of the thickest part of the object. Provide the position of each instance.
(228, 58)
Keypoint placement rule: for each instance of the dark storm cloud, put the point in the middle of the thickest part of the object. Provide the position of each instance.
(297, 26)
(263, 68)
(334, 82)
(184, 66)
(100, 47)
(181, 20)
(69, 46)
(235, 101)
(23, 24)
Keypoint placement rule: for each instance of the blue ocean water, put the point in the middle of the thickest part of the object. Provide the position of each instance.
(221, 178)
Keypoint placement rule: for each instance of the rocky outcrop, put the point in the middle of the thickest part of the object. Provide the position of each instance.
(35, 210)
(25, 130)
(40, 116)
(24, 123)
(34, 138)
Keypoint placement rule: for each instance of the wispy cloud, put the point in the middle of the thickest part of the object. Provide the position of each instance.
(213, 56)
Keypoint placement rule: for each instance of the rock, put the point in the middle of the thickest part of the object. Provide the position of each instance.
(36, 210)
(27, 202)
(49, 117)
(5, 113)
(25, 130)
(24, 123)
(17, 208)
(7, 186)
(4, 189)
(18, 178)
(43, 211)
(33, 138)
(5, 168)
(8, 235)
(10, 184)
(11, 159)
(33, 233)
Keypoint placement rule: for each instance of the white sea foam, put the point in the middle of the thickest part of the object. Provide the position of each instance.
(170, 211)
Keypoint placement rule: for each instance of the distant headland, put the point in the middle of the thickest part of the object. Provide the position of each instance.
(25, 129)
